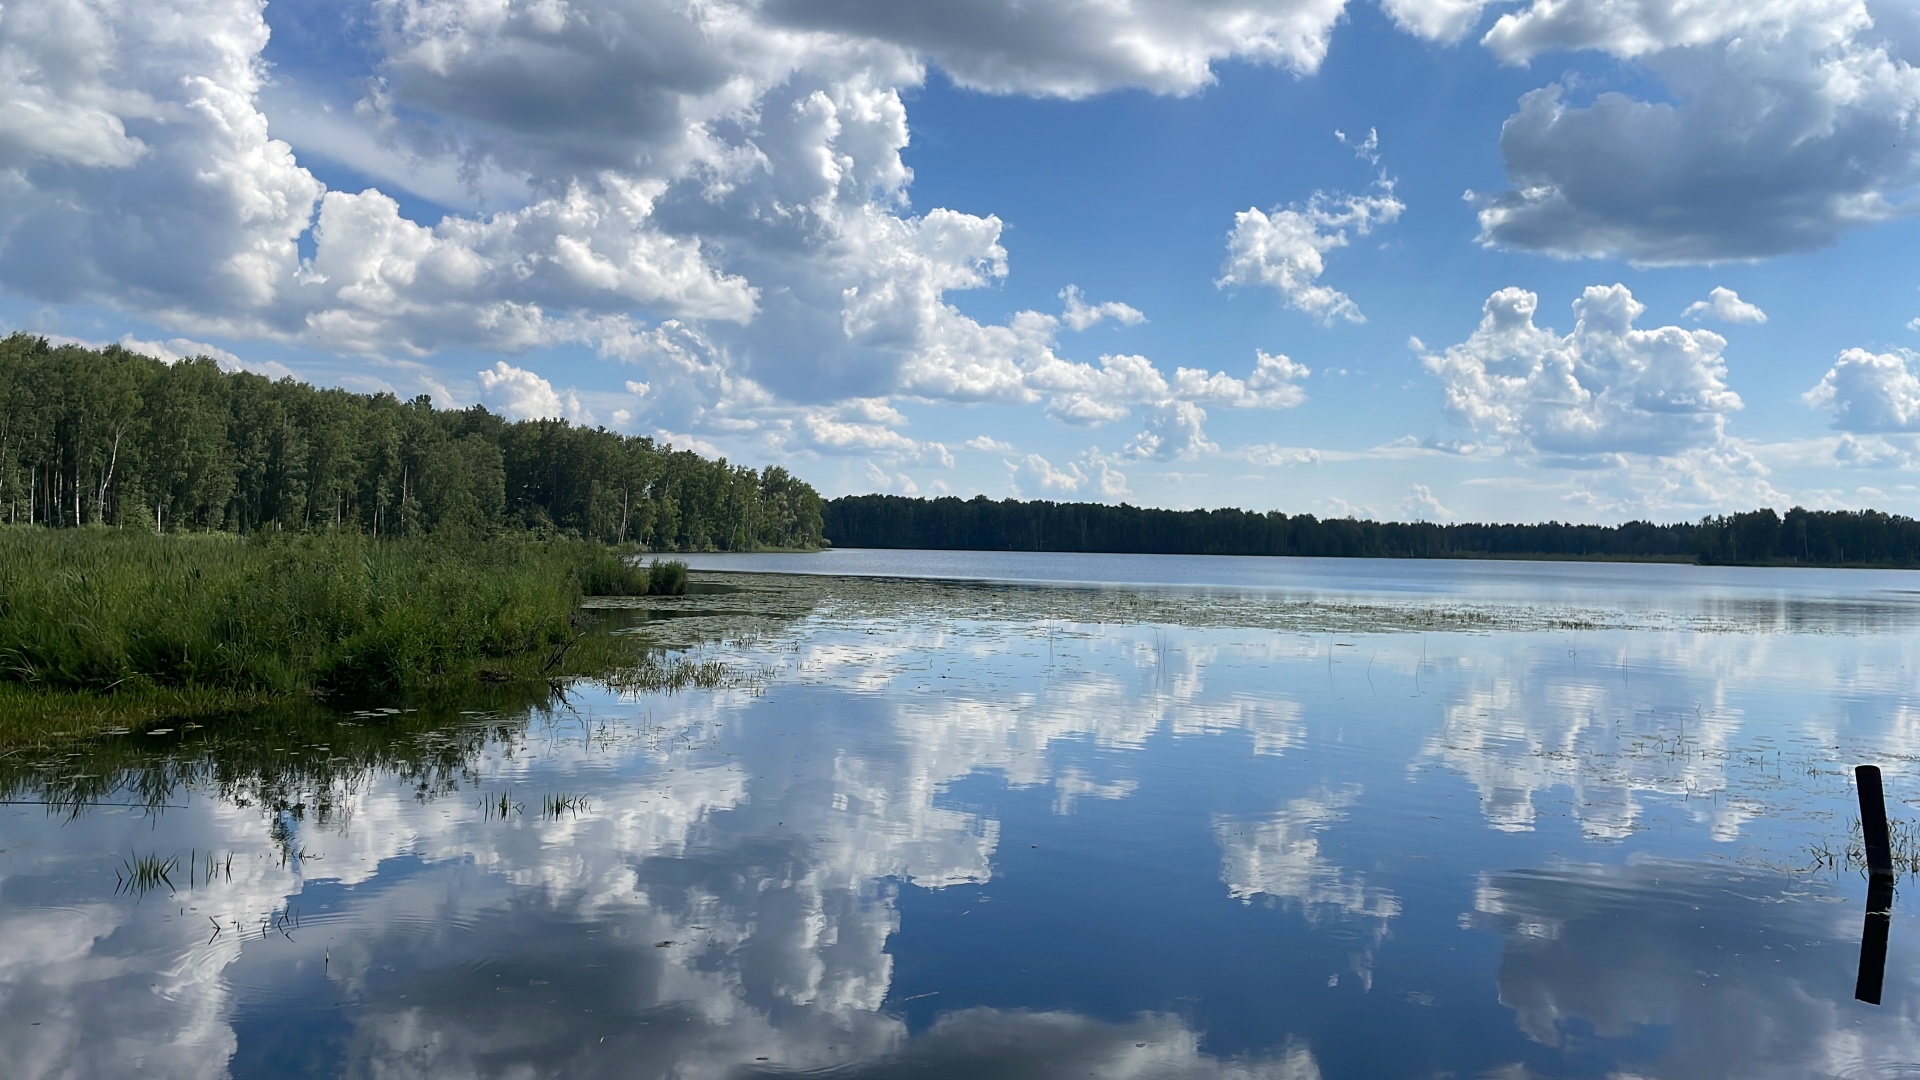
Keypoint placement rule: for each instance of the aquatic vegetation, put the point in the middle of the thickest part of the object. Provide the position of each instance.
(103, 628)
(501, 806)
(667, 578)
(608, 572)
(654, 673)
(559, 804)
(1354, 802)
(734, 606)
(141, 874)
(1851, 854)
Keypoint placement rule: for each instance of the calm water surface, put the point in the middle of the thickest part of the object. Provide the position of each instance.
(1518, 581)
(1018, 846)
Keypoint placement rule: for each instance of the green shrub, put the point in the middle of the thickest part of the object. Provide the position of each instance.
(604, 572)
(667, 578)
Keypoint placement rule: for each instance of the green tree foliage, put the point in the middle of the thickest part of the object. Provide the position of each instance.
(108, 436)
(1865, 538)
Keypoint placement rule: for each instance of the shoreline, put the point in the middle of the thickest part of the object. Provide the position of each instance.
(637, 640)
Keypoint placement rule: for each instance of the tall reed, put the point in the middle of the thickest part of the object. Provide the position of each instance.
(113, 612)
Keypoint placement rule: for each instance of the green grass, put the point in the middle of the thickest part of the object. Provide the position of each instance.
(105, 628)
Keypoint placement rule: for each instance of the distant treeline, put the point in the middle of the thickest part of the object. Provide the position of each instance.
(113, 437)
(1809, 537)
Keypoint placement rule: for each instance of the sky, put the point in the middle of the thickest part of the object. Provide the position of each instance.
(1586, 260)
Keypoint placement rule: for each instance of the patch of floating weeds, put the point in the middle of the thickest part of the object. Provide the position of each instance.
(756, 605)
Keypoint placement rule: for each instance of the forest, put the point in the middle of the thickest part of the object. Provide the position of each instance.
(1759, 537)
(109, 436)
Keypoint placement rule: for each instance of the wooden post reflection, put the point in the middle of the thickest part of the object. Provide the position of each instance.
(1873, 939)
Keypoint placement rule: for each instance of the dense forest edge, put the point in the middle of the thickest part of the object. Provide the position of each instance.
(112, 437)
(1866, 538)
(180, 541)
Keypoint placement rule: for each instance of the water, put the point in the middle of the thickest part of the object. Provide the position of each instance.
(1516, 581)
(1752, 597)
(950, 835)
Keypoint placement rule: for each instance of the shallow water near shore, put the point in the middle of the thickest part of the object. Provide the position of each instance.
(1509, 820)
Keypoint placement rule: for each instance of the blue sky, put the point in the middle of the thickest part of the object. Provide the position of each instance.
(1573, 259)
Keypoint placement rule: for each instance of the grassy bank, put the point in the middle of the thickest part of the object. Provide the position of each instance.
(103, 628)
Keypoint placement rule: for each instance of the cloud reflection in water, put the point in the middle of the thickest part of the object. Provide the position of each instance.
(744, 888)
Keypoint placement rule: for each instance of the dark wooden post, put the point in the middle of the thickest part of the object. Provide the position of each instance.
(1873, 936)
(1873, 820)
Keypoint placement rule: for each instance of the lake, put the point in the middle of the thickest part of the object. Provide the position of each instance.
(962, 814)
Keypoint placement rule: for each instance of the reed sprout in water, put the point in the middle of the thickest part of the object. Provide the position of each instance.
(141, 874)
(653, 673)
(500, 807)
(557, 805)
(1904, 837)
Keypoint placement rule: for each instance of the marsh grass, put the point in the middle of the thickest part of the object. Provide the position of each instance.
(105, 628)
(667, 578)
(1904, 840)
(656, 673)
(556, 805)
(501, 806)
(605, 571)
(204, 868)
(141, 874)
(34, 718)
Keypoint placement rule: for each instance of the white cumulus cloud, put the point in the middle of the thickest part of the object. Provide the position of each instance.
(1175, 430)
(730, 215)
(1422, 505)
(1875, 452)
(1272, 455)
(1778, 127)
(1870, 392)
(1091, 473)
(1080, 315)
(1035, 475)
(1725, 305)
(1074, 48)
(136, 168)
(1285, 249)
(1273, 384)
(1606, 388)
(524, 395)
(1445, 21)
(987, 444)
